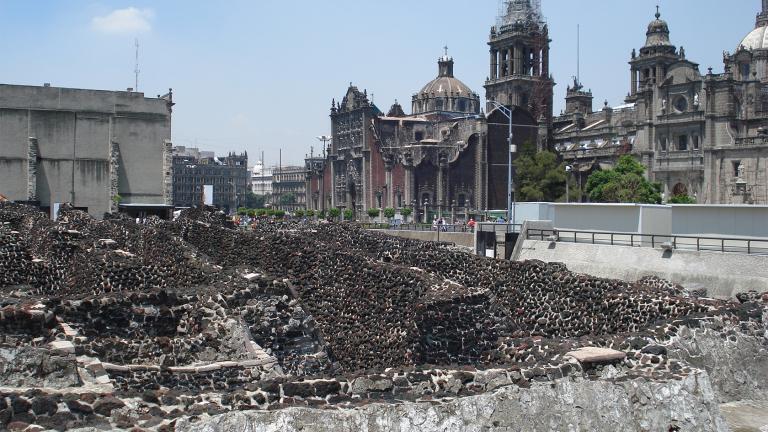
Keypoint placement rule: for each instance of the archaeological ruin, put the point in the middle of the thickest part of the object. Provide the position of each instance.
(194, 324)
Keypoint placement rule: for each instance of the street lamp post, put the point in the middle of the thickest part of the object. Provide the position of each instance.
(511, 196)
(568, 170)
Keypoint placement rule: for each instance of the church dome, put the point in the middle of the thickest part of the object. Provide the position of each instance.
(658, 32)
(446, 93)
(757, 39)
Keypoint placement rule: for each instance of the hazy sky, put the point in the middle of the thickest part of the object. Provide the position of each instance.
(259, 75)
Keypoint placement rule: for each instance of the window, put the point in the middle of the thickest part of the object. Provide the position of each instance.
(399, 200)
(439, 105)
(462, 200)
(681, 104)
(663, 143)
(745, 71)
(736, 168)
(462, 105)
(682, 142)
(419, 135)
(695, 142)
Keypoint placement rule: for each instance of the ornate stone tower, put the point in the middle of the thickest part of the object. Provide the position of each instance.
(520, 60)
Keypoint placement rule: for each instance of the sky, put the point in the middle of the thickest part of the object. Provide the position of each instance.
(259, 75)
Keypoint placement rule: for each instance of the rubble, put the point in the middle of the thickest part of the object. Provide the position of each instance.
(117, 324)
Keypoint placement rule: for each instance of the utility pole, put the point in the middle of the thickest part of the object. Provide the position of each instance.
(136, 70)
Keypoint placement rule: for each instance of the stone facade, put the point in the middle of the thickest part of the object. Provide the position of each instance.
(289, 188)
(56, 146)
(229, 176)
(447, 157)
(519, 74)
(699, 135)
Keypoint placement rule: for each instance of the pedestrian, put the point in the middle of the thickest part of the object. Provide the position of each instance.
(471, 224)
(434, 223)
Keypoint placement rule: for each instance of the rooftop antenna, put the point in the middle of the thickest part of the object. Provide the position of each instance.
(578, 53)
(136, 71)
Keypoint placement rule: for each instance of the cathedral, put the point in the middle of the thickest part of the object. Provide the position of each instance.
(447, 157)
(704, 136)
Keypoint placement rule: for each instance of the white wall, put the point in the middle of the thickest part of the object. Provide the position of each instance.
(717, 220)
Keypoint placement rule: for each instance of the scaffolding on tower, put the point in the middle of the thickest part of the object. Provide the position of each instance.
(519, 12)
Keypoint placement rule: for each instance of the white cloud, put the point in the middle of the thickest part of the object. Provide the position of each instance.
(124, 21)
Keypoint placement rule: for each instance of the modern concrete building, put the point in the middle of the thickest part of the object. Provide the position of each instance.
(94, 149)
(289, 188)
(705, 136)
(228, 175)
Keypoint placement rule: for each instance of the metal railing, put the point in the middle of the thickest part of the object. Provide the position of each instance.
(450, 228)
(743, 245)
(499, 228)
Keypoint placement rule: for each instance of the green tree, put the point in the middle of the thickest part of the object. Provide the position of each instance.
(373, 213)
(279, 214)
(251, 212)
(299, 213)
(242, 211)
(389, 213)
(406, 212)
(261, 212)
(334, 213)
(348, 214)
(539, 176)
(288, 199)
(682, 199)
(623, 184)
(310, 213)
(255, 201)
(321, 214)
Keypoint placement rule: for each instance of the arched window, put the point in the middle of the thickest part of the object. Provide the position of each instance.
(679, 189)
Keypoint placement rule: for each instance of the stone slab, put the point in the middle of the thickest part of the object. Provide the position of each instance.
(62, 347)
(596, 355)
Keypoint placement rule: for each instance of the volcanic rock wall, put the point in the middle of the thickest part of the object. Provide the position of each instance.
(127, 325)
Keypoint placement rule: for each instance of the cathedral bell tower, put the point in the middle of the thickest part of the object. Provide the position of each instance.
(520, 60)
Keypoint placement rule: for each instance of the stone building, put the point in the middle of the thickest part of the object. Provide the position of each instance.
(289, 188)
(261, 181)
(98, 150)
(447, 157)
(192, 171)
(704, 136)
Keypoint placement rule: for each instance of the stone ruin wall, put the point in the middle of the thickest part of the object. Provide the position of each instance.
(159, 325)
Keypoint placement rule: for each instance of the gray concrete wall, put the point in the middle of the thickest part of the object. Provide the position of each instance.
(74, 130)
(460, 239)
(722, 220)
(723, 275)
(602, 217)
